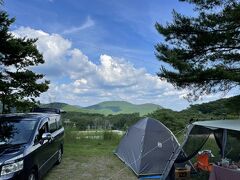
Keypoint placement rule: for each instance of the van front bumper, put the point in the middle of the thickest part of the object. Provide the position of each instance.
(14, 176)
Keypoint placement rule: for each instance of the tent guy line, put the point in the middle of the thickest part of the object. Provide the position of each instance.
(117, 173)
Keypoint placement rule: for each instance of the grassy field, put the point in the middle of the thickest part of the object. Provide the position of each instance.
(87, 157)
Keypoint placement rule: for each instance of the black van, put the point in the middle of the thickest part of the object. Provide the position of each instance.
(30, 144)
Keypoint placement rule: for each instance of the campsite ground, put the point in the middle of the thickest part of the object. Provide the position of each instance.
(93, 158)
(90, 159)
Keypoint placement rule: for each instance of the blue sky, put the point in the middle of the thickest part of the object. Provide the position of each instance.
(100, 50)
(120, 28)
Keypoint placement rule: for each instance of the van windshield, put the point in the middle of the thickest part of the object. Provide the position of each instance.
(16, 131)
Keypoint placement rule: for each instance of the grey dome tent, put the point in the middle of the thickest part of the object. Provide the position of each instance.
(148, 147)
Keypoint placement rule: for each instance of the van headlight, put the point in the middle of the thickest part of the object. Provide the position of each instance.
(12, 168)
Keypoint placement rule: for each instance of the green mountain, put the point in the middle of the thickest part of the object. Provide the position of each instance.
(64, 106)
(117, 107)
(54, 105)
(221, 107)
(108, 107)
(226, 108)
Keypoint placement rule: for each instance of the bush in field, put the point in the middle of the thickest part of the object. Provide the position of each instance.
(110, 136)
(69, 136)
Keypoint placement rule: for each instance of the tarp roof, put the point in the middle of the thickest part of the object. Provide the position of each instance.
(222, 124)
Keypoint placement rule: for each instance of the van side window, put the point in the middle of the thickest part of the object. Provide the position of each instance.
(60, 123)
(52, 124)
(41, 131)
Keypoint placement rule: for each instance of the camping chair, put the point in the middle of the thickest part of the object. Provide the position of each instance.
(203, 161)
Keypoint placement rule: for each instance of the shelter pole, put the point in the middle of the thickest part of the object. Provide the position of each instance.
(224, 142)
(176, 153)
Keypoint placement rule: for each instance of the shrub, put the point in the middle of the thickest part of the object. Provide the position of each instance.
(110, 136)
(69, 136)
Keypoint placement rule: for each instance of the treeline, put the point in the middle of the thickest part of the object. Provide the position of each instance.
(228, 107)
(174, 120)
(89, 121)
(86, 121)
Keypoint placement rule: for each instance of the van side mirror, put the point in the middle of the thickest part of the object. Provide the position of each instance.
(47, 136)
(62, 111)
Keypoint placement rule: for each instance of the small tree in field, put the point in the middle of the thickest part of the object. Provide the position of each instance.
(203, 51)
(19, 85)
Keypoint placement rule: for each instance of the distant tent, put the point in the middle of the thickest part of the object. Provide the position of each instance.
(147, 147)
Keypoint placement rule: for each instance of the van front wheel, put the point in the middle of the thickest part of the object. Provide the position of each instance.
(32, 176)
(59, 160)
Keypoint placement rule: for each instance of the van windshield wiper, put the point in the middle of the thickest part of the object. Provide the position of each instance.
(8, 145)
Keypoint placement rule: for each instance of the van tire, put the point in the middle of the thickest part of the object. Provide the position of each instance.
(59, 160)
(32, 175)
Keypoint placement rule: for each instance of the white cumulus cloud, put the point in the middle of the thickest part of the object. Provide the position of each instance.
(51, 45)
(75, 79)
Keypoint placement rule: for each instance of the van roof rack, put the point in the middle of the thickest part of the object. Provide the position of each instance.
(48, 110)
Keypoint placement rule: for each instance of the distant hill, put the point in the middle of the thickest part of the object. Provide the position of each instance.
(219, 107)
(54, 105)
(117, 107)
(108, 107)
(63, 106)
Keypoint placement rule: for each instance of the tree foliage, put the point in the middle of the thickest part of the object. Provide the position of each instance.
(84, 121)
(203, 51)
(224, 108)
(19, 85)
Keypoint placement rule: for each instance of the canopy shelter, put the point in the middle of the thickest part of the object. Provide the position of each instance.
(220, 124)
(148, 147)
(225, 132)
